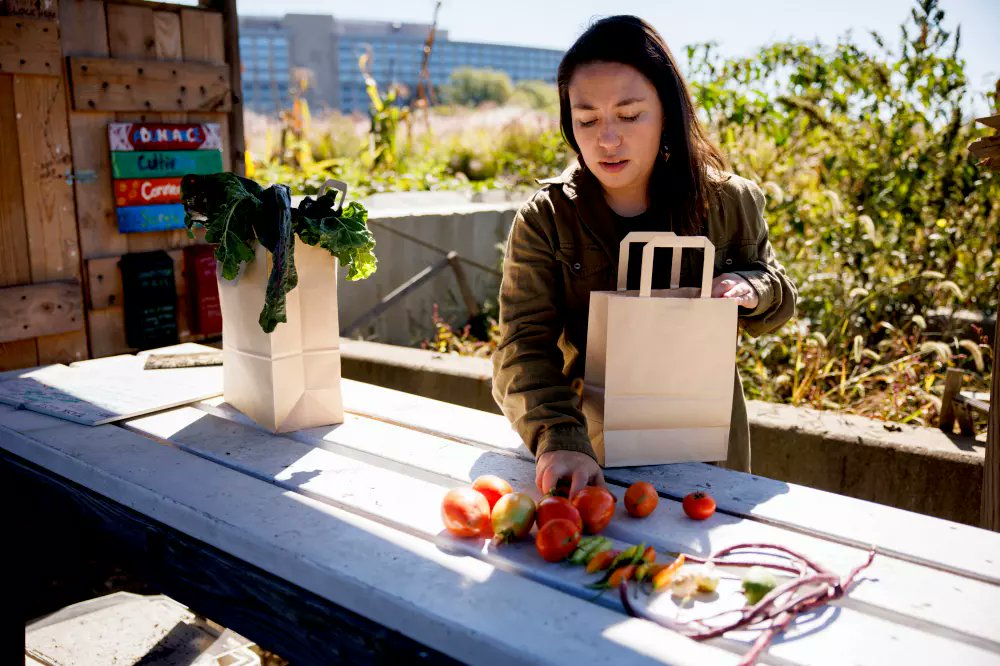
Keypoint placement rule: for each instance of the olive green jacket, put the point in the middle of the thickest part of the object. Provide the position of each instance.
(562, 246)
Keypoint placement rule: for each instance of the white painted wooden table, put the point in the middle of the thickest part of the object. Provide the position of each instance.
(327, 536)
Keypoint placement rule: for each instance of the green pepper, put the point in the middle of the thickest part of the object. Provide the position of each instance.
(586, 549)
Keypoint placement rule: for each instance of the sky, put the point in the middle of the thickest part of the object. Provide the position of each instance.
(738, 26)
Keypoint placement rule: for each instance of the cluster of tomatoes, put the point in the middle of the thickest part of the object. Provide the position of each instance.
(491, 507)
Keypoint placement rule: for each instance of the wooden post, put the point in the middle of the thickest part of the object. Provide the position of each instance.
(991, 467)
(231, 29)
(990, 507)
(952, 387)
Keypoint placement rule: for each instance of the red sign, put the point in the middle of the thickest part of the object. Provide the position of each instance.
(145, 191)
(203, 289)
(164, 136)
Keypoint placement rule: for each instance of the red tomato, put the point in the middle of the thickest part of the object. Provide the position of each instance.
(552, 508)
(596, 507)
(512, 517)
(557, 539)
(492, 487)
(699, 505)
(465, 512)
(640, 499)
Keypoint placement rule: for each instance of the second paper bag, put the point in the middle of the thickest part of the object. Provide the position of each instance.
(660, 364)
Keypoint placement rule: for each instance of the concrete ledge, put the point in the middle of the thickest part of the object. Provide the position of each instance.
(913, 468)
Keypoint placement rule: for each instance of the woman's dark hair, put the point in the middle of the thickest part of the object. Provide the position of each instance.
(683, 180)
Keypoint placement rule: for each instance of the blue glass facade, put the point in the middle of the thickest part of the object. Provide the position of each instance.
(398, 60)
(266, 69)
(268, 48)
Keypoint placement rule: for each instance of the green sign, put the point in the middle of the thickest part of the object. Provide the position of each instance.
(165, 163)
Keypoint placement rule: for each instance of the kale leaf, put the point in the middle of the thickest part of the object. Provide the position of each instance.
(227, 206)
(345, 236)
(283, 277)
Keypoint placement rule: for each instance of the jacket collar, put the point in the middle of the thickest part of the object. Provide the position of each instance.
(584, 192)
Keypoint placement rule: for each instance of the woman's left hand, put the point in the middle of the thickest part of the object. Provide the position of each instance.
(731, 285)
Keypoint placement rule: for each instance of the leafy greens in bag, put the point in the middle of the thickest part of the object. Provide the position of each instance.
(237, 213)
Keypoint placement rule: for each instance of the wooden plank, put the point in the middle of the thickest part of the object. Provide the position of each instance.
(164, 163)
(104, 281)
(411, 497)
(990, 121)
(237, 146)
(35, 310)
(29, 46)
(991, 467)
(202, 36)
(95, 207)
(83, 27)
(131, 31)
(420, 455)
(36, 8)
(167, 29)
(46, 161)
(105, 84)
(309, 630)
(906, 535)
(110, 322)
(15, 267)
(403, 582)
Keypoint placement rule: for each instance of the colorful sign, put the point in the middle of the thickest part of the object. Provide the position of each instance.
(164, 136)
(148, 161)
(160, 217)
(146, 191)
(165, 163)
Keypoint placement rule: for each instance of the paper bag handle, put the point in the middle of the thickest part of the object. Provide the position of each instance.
(677, 243)
(623, 250)
(340, 186)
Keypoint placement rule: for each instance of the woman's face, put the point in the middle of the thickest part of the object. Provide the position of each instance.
(617, 123)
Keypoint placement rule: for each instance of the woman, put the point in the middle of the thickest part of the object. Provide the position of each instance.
(644, 164)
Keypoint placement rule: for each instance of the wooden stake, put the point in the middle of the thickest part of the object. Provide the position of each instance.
(991, 467)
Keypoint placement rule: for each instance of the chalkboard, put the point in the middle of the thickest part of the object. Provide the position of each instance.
(149, 289)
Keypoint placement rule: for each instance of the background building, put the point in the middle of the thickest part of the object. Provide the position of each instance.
(264, 46)
(275, 51)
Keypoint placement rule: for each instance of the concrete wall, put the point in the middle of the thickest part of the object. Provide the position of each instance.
(913, 468)
(446, 220)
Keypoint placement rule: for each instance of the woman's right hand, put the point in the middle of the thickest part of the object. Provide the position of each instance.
(580, 469)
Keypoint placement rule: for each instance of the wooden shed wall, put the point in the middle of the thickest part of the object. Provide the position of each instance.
(60, 287)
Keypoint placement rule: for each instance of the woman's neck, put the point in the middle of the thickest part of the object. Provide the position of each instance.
(628, 202)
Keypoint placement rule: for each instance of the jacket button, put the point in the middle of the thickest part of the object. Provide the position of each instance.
(729, 262)
(577, 266)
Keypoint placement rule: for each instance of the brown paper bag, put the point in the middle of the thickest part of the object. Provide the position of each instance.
(660, 364)
(288, 379)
